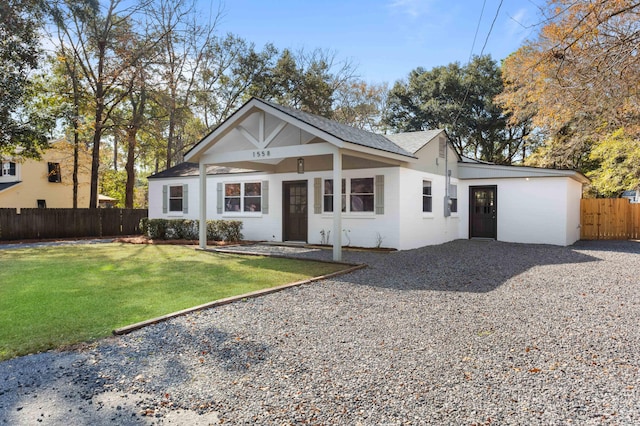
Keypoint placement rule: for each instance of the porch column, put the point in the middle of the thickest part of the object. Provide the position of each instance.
(203, 206)
(337, 206)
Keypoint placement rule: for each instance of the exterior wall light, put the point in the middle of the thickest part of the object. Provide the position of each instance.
(300, 165)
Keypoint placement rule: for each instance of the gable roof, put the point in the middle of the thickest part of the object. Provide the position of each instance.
(342, 131)
(317, 125)
(414, 141)
(192, 169)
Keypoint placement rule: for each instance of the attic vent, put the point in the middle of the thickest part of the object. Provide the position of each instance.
(442, 146)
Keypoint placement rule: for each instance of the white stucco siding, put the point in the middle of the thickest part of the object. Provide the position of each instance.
(418, 229)
(533, 210)
(156, 198)
(360, 229)
(363, 229)
(574, 195)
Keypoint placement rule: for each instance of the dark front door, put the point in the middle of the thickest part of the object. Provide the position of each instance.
(294, 214)
(483, 209)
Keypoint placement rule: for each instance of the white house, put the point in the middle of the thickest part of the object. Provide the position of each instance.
(274, 169)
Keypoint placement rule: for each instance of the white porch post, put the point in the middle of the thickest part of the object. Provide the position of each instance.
(337, 206)
(203, 206)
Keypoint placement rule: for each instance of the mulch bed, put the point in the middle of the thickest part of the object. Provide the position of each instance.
(140, 239)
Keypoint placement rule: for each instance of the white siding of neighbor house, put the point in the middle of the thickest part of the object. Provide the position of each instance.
(533, 210)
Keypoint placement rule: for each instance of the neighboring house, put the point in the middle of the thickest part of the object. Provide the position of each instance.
(44, 183)
(274, 169)
(632, 195)
(106, 202)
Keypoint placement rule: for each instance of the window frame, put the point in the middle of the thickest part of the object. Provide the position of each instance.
(453, 197)
(54, 174)
(428, 196)
(347, 191)
(11, 170)
(244, 199)
(363, 197)
(172, 198)
(327, 198)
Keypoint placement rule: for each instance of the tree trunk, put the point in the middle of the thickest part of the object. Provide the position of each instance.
(129, 167)
(76, 137)
(76, 142)
(95, 158)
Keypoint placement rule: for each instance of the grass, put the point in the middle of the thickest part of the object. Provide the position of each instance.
(58, 296)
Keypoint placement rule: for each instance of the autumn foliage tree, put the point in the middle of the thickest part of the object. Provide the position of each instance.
(578, 81)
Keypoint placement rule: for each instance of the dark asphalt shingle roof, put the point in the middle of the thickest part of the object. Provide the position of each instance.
(413, 141)
(192, 169)
(7, 185)
(342, 131)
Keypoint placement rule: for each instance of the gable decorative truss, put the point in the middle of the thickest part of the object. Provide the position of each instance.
(262, 136)
(261, 142)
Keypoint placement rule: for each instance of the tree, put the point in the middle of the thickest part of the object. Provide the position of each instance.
(137, 102)
(105, 45)
(577, 79)
(360, 105)
(308, 81)
(618, 156)
(232, 71)
(19, 55)
(459, 99)
(182, 50)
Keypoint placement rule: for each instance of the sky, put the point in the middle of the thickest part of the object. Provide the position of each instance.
(385, 39)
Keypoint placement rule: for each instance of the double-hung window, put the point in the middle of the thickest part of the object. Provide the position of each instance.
(361, 196)
(246, 197)
(360, 191)
(175, 198)
(9, 169)
(427, 197)
(54, 172)
(328, 195)
(453, 198)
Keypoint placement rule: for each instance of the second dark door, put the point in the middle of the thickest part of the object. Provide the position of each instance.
(483, 208)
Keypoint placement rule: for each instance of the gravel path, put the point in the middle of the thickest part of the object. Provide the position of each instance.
(467, 332)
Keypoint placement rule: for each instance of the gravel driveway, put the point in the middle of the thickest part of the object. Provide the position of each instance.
(467, 332)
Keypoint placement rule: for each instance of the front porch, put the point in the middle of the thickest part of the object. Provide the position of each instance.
(274, 140)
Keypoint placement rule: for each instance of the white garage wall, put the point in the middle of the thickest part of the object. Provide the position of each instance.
(533, 210)
(574, 194)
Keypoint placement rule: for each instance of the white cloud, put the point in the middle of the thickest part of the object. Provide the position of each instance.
(518, 25)
(412, 8)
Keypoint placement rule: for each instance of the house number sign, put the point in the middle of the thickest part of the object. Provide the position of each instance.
(261, 154)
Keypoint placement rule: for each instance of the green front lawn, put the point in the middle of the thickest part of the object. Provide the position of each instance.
(57, 296)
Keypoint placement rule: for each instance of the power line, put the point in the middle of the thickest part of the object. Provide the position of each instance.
(475, 36)
(486, 40)
(491, 27)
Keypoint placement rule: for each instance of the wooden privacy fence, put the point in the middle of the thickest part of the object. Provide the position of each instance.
(609, 219)
(68, 223)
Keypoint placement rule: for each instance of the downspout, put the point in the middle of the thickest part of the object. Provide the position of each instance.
(447, 180)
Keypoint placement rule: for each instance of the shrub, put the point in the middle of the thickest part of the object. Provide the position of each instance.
(166, 229)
